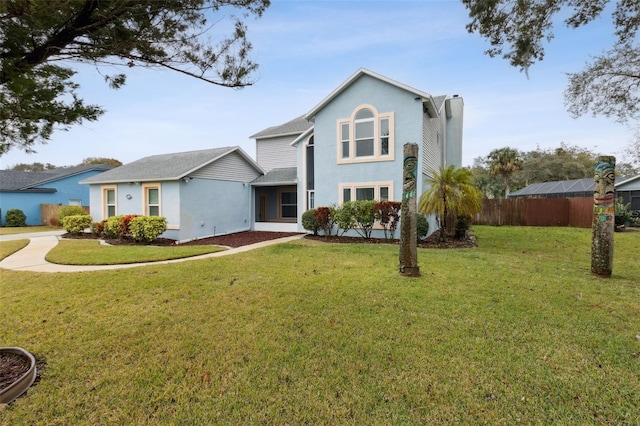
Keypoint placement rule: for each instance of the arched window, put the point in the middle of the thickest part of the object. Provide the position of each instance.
(366, 136)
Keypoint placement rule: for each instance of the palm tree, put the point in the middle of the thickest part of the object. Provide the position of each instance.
(504, 162)
(451, 190)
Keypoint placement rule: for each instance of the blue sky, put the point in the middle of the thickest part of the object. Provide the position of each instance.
(307, 48)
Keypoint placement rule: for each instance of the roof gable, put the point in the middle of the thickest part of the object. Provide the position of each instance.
(426, 98)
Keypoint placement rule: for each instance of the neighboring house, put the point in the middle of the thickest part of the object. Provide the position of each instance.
(201, 193)
(628, 188)
(27, 191)
(348, 147)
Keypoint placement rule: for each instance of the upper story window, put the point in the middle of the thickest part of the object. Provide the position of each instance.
(366, 136)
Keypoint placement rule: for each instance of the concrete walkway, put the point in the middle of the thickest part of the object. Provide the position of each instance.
(32, 257)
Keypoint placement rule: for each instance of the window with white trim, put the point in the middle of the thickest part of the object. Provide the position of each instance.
(378, 191)
(109, 197)
(366, 136)
(151, 199)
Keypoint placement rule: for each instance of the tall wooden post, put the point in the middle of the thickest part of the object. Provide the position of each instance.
(408, 230)
(603, 223)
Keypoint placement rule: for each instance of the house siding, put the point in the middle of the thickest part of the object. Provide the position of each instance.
(431, 151)
(231, 167)
(275, 153)
(454, 123)
(213, 207)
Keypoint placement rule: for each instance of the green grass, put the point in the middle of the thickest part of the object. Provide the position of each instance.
(26, 229)
(7, 248)
(91, 252)
(514, 331)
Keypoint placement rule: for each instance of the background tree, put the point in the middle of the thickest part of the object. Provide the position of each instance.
(40, 41)
(101, 160)
(504, 162)
(517, 31)
(545, 165)
(562, 163)
(451, 190)
(489, 186)
(33, 167)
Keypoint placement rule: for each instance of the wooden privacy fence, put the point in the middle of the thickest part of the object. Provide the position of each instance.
(577, 212)
(49, 213)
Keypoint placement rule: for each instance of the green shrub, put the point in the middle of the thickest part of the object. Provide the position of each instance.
(77, 223)
(463, 224)
(365, 217)
(112, 227)
(345, 217)
(147, 228)
(97, 228)
(309, 221)
(65, 211)
(124, 224)
(15, 218)
(622, 212)
(422, 227)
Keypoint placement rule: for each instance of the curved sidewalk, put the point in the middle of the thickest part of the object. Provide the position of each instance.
(32, 257)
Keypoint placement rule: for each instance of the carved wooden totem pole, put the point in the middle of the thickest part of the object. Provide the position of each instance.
(408, 231)
(603, 223)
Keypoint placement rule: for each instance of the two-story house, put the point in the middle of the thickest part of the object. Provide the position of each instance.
(348, 147)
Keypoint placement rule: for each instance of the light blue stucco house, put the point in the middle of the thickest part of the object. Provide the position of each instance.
(348, 147)
(27, 191)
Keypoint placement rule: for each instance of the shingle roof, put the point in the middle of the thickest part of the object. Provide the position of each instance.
(165, 166)
(293, 127)
(11, 180)
(282, 176)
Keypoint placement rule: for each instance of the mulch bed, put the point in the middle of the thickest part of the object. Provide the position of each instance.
(433, 241)
(13, 366)
(240, 239)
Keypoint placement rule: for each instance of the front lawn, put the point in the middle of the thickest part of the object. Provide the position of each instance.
(516, 330)
(91, 252)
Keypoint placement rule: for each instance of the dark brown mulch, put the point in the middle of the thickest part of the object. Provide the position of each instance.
(240, 239)
(237, 239)
(13, 366)
(433, 241)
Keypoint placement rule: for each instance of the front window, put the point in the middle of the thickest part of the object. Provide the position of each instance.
(152, 199)
(366, 136)
(377, 191)
(109, 197)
